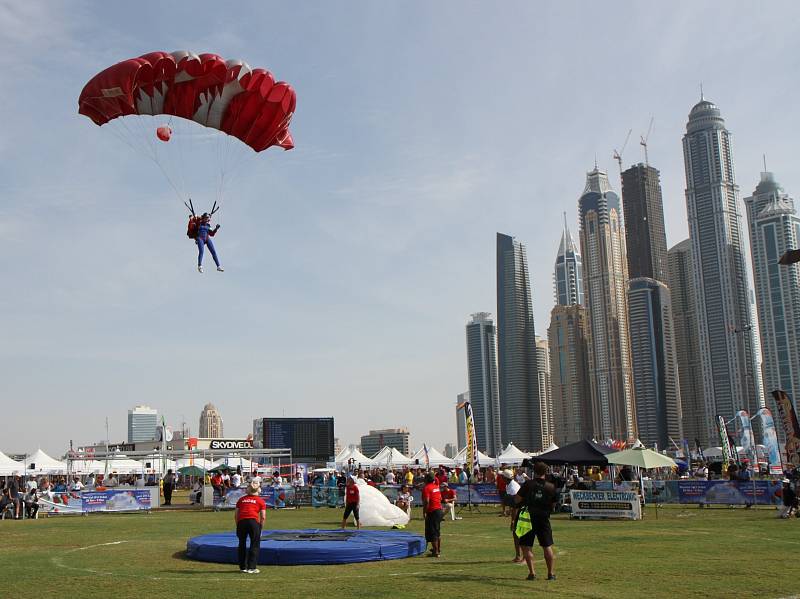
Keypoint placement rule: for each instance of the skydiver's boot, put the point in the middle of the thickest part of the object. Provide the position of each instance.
(220, 269)
(199, 268)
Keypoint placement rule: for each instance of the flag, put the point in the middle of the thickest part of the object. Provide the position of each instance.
(747, 439)
(427, 457)
(769, 440)
(790, 426)
(472, 441)
(727, 456)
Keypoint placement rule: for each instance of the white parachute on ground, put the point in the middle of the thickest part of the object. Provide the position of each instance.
(375, 509)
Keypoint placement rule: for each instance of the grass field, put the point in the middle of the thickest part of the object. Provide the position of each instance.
(685, 553)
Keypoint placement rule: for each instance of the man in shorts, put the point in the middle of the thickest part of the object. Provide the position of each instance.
(432, 508)
(539, 496)
(352, 497)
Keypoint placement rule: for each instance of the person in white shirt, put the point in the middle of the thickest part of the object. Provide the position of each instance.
(91, 482)
(277, 479)
(111, 481)
(226, 480)
(76, 485)
(139, 482)
(30, 484)
(512, 488)
(236, 480)
(390, 478)
(298, 480)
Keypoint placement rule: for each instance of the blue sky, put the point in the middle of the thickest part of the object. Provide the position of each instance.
(354, 261)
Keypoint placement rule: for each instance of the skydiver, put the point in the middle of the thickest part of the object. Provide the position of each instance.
(203, 238)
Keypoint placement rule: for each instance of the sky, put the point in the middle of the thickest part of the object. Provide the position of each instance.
(354, 261)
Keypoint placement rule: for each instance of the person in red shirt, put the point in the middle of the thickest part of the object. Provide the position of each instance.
(352, 496)
(251, 512)
(501, 482)
(448, 499)
(432, 508)
(216, 484)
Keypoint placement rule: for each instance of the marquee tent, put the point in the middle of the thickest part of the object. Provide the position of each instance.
(511, 455)
(359, 459)
(199, 462)
(44, 464)
(580, 453)
(390, 457)
(236, 462)
(9, 466)
(123, 465)
(87, 466)
(158, 465)
(483, 459)
(435, 458)
(551, 447)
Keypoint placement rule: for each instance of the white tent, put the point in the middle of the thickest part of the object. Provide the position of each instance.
(44, 464)
(9, 466)
(351, 453)
(551, 447)
(125, 465)
(483, 459)
(87, 466)
(389, 457)
(435, 458)
(716, 452)
(511, 455)
(158, 465)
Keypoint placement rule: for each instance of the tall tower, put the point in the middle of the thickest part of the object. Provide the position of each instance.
(605, 280)
(522, 415)
(646, 240)
(545, 397)
(568, 276)
(774, 229)
(687, 342)
(210, 422)
(142, 424)
(731, 378)
(655, 366)
(569, 374)
(484, 392)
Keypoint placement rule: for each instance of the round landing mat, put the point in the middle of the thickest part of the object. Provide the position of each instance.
(311, 546)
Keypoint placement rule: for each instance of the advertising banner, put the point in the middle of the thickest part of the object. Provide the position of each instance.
(791, 428)
(761, 492)
(115, 500)
(325, 496)
(472, 440)
(769, 440)
(746, 438)
(274, 497)
(727, 455)
(606, 504)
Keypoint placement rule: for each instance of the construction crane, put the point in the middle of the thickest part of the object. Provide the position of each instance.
(618, 155)
(643, 141)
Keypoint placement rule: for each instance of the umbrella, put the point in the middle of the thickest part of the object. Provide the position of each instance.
(191, 471)
(644, 458)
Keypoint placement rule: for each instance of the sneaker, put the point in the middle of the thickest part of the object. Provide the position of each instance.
(531, 577)
(551, 577)
(254, 571)
(220, 269)
(199, 268)
(243, 571)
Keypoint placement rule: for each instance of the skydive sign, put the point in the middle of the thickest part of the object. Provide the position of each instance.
(606, 504)
(230, 444)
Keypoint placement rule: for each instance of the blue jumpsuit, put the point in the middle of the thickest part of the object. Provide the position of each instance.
(204, 234)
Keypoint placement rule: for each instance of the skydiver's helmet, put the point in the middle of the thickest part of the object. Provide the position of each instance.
(205, 217)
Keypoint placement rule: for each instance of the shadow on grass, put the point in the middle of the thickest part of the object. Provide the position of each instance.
(181, 555)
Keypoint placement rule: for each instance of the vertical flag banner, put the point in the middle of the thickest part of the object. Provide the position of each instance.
(427, 457)
(727, 457)
(790, 426)
(747, 439)
(770, 441)
(472, 441)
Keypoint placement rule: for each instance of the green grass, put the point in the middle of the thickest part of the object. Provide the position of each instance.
(685, 553)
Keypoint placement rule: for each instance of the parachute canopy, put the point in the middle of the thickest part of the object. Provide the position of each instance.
(230, 96)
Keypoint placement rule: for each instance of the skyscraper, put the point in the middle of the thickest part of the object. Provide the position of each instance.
(142, 424)
(731, 378)
(523, 418)
(774, 229)
(461, 420)
(654, 363)
(484, 392)
(210, 422)
(545, 397)
(568, 276)
(687, 342)
(605, 281)
(646, 240)
(569, 374)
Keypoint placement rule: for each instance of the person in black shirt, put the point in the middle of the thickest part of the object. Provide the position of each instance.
(539, 496)
(789, 499)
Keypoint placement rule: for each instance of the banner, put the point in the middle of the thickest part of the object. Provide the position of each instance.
(472, 441)
(761, 492)
(727, 455)
(790, 426)
(769, 440)
(115, 501)
(274, 497)
(605, 504)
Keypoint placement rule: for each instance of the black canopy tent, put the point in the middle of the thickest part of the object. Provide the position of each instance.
(580, 453)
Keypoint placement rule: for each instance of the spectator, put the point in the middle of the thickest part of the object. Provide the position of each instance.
(512, 488)
(196, 493)
(250, 514)
(405, 499)
(236, 479)
(351, 502)
(76, 485)
(390, 478)
(409, 478)
(169, 487)
(111, 482)
(501, 483)
(32, 503)
(218, 485)
(31, 484)
(789, 500)
(448, 499)
(14, 494)
(539, 496)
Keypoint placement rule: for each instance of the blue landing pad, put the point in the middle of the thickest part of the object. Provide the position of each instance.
(310, 546)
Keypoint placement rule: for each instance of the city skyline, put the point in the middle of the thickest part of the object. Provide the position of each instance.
(383, 216)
